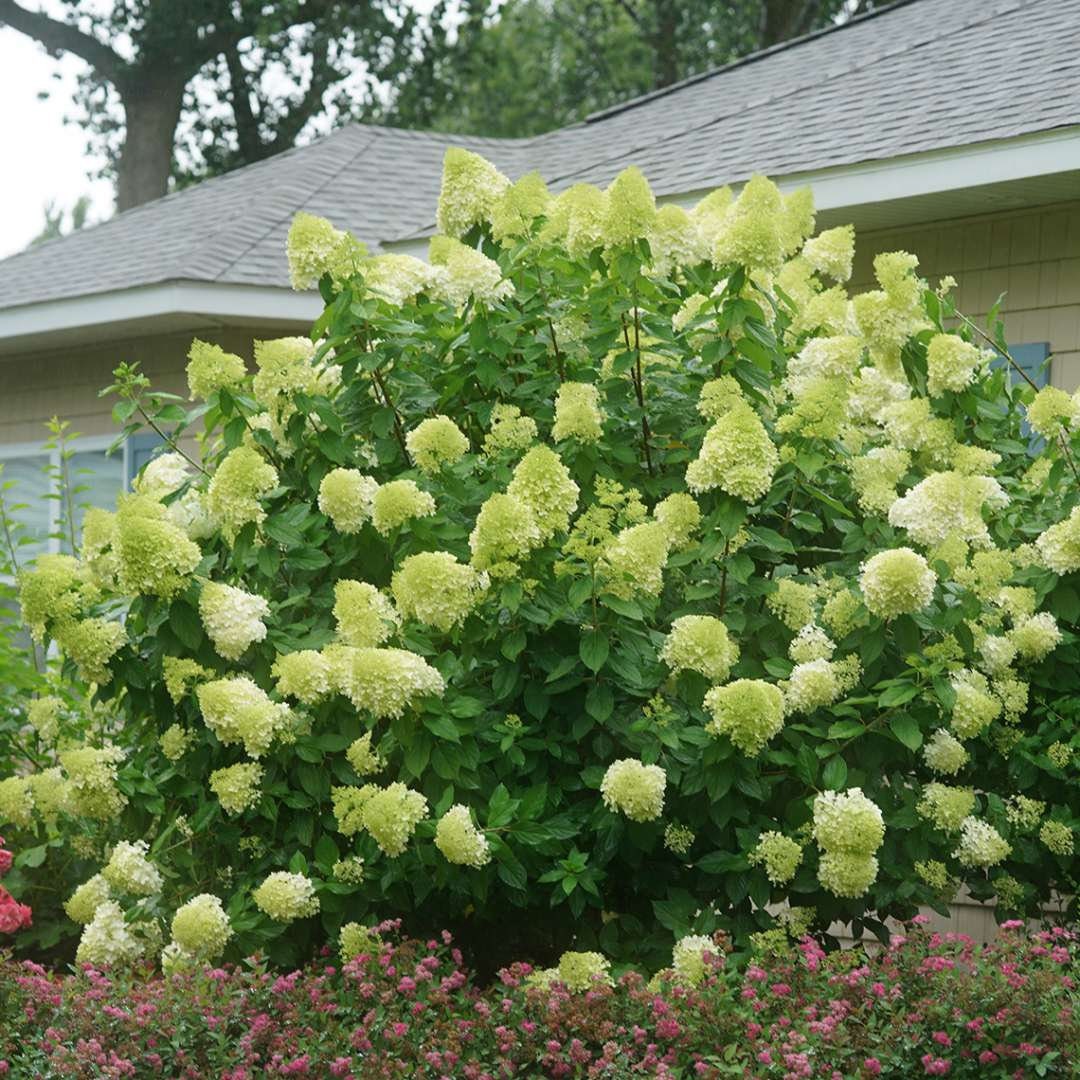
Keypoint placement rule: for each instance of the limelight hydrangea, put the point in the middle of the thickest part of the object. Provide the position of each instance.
(285, 897)
(397, 502)
(362, 757)
(348, 803)
(577, 217)
(945, 754)
(242, 479)
(87, 898)
(201, 927)
(846, 874)
(680, 516)
(397, 279)
(232, 618)
(154, 556)
(981, 845)
(210, 369)
(580, 971)
(951, 363)
(54, 591)
(365, 617)
(129, 870)
(542, 482)
(505, 532)
(390, 816)
(91, 774)
(996, 653)
(107, 940)
(91, 643)
(471, 188)
(675, 240)
(634, 789)
(577, 413)
(175, 741)
(346, 497)
(779, 854)
(237, 786)
(303, 675)
(519, 206)
(49, 789)
(948, 504)
(1037, 637)
(975, 707)
(633, 563)
(237, 710)
(811, 643)
(736, 456)
(718, 396)
(459, 840)
(896, 582)
(469, 274)
(748, 711)
(847, 821)
(435, 589)
(16, 801)
(947, 807)
(382, 682)
(161, 476)
(1024, 812)
(817, 683)
(509, 430)
(1057, 837)
(700, 643)
(792, 603)
(751, 232)
(831, 252)
(827, 358)
(356, 940)
(1059, 545)
(630, 209)
(180, 675)
(688, 958)
(886, 318)
(1053, 412)
(315, 247)
(435, 443)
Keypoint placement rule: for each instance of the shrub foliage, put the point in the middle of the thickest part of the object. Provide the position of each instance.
(613, 575)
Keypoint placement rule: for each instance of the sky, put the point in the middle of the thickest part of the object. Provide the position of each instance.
(48, 157)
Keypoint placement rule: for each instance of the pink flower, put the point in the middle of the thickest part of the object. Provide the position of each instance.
(941, 1038)
(872, 1066)
(934, 1066)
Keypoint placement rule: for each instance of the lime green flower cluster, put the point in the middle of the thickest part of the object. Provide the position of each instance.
(509, 430)
(469, 274)
(435, 443)
(680, 516)
(303, 675)
(947, 807)
(1036, 638)
(688, 958)
(634, 789)
(381, 682)
(363, 757)
(232, 618)
(460, 841)
(951, 364)
(848, 829)
(1024, 812)
(748, 711)
(397, 502)
(389, 815)
(180, 674)
(237, 786)
(897, 582)
(130, 871)
(543, 483)
(91, 775)
(346, 497)
(504, 534)
(779, 854)
(515, 211)
(981, 844)
(1053, 412)
(315, 248)
(831, 252)
(356, 940)
(285, 896)
(817, 683)
(633, 563)
(365, 617)
(210, 369)
(471, 189)
(876, 475)
(87, 898)
(945, 754)
(577, 413)
(736, 456)
(108, 940)
(700, 643)
(580, 971)
(1059, 545)
(239, 484)
(238, 710)
(1057, 836)
(16, 801)
(435, 589)
(201, 929)
(975, 707)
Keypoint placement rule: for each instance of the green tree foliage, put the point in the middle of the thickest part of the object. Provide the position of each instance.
(612, 577)
(528, 66)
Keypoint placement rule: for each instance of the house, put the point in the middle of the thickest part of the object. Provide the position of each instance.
(948, 129)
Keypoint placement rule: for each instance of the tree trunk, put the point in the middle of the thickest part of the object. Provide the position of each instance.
(152, 105)
(665, 44)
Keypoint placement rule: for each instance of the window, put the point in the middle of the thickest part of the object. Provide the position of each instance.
(34, 501)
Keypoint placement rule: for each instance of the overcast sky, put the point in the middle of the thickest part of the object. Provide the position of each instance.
(45, 158)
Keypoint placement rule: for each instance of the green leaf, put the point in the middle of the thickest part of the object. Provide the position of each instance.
(326, 852)
(906, 729)
(594, 649)
(834, 775)
(897, 695)
(185, 623)
(442, 727)
(599, 701)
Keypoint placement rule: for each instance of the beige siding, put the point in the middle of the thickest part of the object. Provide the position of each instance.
(1032, 255)
(40, 385)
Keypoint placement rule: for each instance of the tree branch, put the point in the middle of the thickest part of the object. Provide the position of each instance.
(60, 37)
(247, 124)
(323, 76)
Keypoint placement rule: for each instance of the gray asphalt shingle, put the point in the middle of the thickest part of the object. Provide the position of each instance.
(921, 75)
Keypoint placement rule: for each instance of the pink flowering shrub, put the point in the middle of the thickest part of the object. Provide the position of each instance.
(13, 915)
(929, 1005)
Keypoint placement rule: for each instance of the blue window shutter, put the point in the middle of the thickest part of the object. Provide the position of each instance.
(1032, 358)
(141, 448)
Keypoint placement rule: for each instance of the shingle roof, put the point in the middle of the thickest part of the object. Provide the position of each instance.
(919, 75)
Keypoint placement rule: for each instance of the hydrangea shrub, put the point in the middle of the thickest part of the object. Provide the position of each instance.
(612, 576)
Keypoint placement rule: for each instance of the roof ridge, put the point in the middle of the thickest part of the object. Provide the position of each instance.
(741, 61)
(985, 14)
